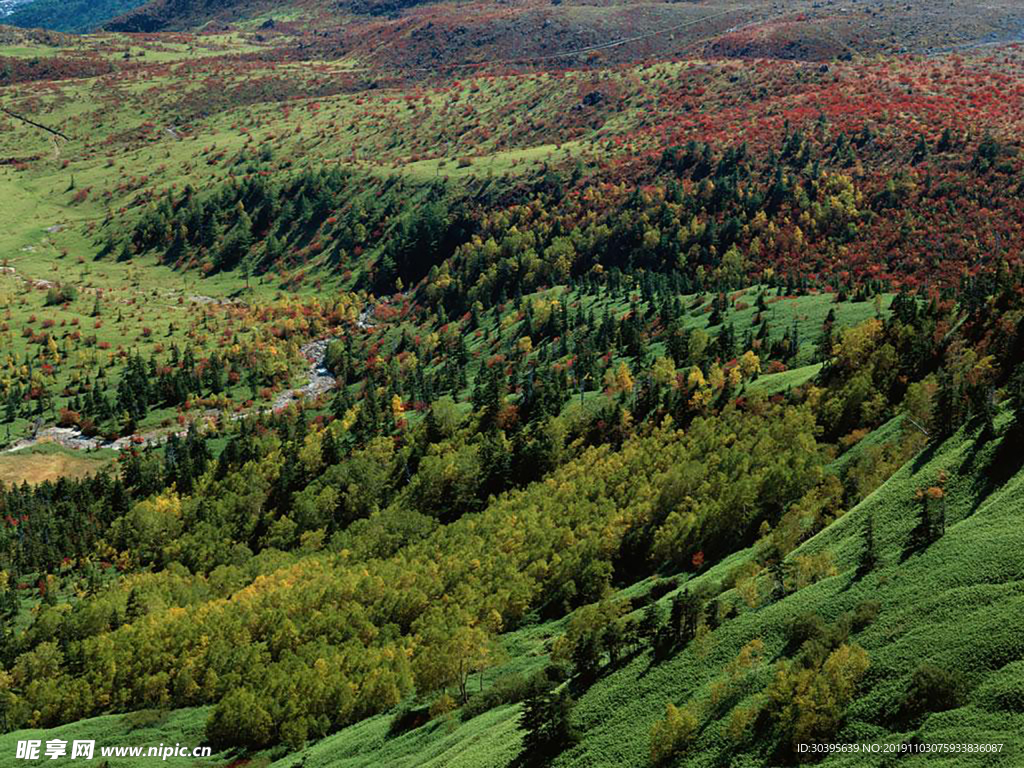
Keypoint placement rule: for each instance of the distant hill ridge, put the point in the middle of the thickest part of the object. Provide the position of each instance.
(12, 35)
(179, 14)
(64, 15)
(183, 14)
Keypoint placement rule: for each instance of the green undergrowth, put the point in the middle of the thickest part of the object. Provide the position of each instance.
(146, 728)
(955, 605)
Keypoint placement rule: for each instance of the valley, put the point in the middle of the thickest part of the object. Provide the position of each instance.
(477, 384)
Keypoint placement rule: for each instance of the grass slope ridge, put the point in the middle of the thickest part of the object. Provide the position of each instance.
(146, 728)
(952, 606)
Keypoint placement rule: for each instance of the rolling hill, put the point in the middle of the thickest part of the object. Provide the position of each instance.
(929, 678)
(184, 14)
(477, 384)
(909, 614)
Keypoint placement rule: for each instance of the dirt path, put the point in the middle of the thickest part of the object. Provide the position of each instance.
(33, 123)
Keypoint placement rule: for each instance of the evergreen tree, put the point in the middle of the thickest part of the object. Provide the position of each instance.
(273, 250)
(651, 623)
(213, 374)
(868, 555)
(546, 721)
(921, 151)
(586, 656)
(237, 242)
(946, 412)
(329, 453)
(931, 519)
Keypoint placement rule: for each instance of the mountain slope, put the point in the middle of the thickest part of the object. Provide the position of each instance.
(68, 15)
(157, 15)
(593, 354)
(181, 14)
(950, 606)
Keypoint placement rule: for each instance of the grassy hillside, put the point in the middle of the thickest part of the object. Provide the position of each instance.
(920, 603)
(49, 462)
(512, 385)
(953, 606)
(148, 729)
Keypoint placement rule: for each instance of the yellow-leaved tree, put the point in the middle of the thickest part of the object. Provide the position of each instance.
(618, 379)
(750, 364)
(672, 735)
(808, 702)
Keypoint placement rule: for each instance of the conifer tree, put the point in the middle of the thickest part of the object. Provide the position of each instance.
(547, 725)
(868, 554)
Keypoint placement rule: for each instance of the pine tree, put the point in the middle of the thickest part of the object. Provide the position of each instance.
(946, 413)
(586, 656)
(369, 420)
(198, 451)
(651, 623)
(213, 374)
(868, 554)
(945, 142)
(237, 242)
(272, 250)
(920, 151)
(931, 519)
(682, 622)
(547, 725)
(982, 402)
(329, 453)
(341, 402)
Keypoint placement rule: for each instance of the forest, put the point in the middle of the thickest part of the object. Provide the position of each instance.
(636, 409)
